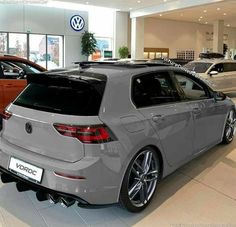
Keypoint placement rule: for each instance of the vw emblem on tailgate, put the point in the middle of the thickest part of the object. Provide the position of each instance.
(77, 23)
(28, 127)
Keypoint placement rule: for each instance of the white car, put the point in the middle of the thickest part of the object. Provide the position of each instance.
(222, 73)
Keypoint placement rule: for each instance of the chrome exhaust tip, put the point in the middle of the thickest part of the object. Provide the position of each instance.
(66, 202)
(53, 198)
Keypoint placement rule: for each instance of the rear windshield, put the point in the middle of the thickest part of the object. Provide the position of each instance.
(79, 96)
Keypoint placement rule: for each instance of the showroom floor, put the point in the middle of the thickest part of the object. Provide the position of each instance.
(201, 192)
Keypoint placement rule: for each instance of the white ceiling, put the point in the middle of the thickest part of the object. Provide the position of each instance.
(184, 10)
(123, 5)
(205, 14)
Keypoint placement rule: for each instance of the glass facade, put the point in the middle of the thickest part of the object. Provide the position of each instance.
(18, 44)
(55, 52)
(3, 43)
(45, 50)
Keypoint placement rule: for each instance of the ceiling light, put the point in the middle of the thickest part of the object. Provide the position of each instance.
(201, 17)
(228, 25)
(218, 9)
(87, 3)
(224, 14)
(205, 11)
(130, 8)
(160, 15)
(164, 0)
(206, 22)
(138, 1)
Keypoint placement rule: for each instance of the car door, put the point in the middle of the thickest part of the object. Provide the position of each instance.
(225, 80)
(208, 115)
(156, 97)
(11, 86)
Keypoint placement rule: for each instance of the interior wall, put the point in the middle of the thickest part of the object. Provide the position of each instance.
(178, 35)
(44, 20)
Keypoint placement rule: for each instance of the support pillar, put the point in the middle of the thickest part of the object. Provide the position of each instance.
(218, 37)
(137, 38)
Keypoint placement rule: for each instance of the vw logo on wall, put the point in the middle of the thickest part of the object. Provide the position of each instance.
(77, 23)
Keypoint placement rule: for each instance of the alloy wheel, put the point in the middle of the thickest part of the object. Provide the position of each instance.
(230, 126)
(143, 178)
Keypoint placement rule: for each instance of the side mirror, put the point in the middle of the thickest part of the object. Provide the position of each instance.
(213, 73)
(219, 96)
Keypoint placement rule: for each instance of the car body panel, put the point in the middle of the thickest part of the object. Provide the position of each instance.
(176, 138)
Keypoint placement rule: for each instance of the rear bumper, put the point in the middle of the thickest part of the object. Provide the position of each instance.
(36, 187)
(100, 186)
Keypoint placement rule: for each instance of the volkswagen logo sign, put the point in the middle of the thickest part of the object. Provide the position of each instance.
(28, 127)
(77, 23)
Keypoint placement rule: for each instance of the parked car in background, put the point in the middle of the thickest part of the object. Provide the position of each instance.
(211, 55)
(108, 133)
(222, 73)
(13, 73)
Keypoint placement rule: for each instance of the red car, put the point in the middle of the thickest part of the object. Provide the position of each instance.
(13, 72)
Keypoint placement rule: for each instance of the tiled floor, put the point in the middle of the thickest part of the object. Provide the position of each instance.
(202, 192)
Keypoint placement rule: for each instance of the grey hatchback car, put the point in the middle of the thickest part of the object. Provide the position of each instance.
(108, 133)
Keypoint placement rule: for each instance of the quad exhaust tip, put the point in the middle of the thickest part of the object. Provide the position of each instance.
(53, 198)
(41, 195)
(66, 202)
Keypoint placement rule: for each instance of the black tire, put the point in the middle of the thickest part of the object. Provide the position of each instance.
(145, 179)
(229, 127)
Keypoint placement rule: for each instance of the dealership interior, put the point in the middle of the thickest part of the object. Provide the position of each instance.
(49, 33)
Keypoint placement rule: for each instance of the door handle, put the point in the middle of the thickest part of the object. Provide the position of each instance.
(196, 110)
(157, 118)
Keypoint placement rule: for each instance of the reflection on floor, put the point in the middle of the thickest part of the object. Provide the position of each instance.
(201, 192)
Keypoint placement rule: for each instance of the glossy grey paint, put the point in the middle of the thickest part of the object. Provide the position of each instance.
(179, 133)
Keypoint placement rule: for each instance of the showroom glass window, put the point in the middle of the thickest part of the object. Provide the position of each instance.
(37, 49)
(18, 44)
(3, 43)
(54, 56)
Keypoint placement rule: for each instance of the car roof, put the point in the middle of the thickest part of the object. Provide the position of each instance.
(115, 69)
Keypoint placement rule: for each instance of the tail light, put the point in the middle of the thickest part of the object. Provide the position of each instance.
(86, 134)
(6, 115)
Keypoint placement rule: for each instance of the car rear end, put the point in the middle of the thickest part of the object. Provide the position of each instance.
(46, 132)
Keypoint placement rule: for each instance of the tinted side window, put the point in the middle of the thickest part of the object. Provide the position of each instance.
(153, 89)
(9, 70)
(229, 67)
(218, 67)
(192, 89)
